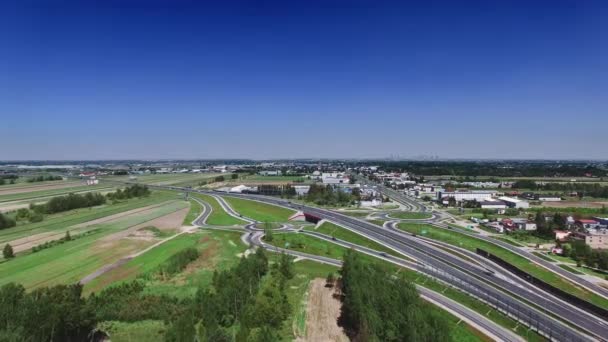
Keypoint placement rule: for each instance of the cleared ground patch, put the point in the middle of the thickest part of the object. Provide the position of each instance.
(259, 211)
(218, 250)
(322, 313)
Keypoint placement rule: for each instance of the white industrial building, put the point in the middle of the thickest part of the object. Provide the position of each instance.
(334, 178)
(460, 196)
(493, 205)
(515, 202)
(301, 190)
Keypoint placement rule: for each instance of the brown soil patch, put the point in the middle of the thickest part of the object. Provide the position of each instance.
(167, 222)
(32, 188)
(322, 312)
(574, 204)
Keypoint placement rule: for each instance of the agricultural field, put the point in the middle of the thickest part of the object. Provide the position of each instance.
(60, 222)
(37, 193)
(218, 217)
(105, 241)
(175, 179)
(259, 211)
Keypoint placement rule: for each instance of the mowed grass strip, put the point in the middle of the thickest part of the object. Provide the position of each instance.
(410, 215)
(470, 243)
(61, 221)
(259, 211)
(218, 217)
(340, 233)
(71, 261)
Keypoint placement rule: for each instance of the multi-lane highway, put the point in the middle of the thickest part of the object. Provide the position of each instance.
(464, 275)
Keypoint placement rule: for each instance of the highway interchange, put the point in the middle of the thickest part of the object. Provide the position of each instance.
(480, 278)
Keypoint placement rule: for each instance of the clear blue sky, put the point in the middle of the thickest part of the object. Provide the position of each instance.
(288, 79)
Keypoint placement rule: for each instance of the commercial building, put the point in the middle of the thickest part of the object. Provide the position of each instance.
(518, 224)
(499, 205)
(334, 178)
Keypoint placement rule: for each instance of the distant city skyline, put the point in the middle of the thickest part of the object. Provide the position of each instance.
(91, 80)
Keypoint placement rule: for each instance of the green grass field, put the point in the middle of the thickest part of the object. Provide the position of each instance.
(218, 217)
(470, 243)
(69, 262)
(410, 215)
(338, 232)
(62, 221)
(259, 211)
(195, 210)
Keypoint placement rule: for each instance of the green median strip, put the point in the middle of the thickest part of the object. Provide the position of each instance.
(340, 233)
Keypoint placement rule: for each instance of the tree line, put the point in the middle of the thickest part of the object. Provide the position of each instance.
(584, 189)
(69, 202)
(43, 178)
(329, 196)
(8, 179)
(135, 190)
(394, 312)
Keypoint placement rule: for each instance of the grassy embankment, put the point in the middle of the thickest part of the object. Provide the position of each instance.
(340, 233)
(218, 217)
(259, 211)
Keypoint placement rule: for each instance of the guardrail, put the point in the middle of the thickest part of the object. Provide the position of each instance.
(569, 298)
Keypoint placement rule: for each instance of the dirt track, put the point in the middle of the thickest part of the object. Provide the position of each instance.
(575, 204)
(322, 314)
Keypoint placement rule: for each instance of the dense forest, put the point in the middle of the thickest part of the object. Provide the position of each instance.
(245, 303)
(393, 313)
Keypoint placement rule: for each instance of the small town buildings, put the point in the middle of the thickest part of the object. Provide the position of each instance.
(597, 239)
(518, 224)
(587, 224)
(562, 235)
